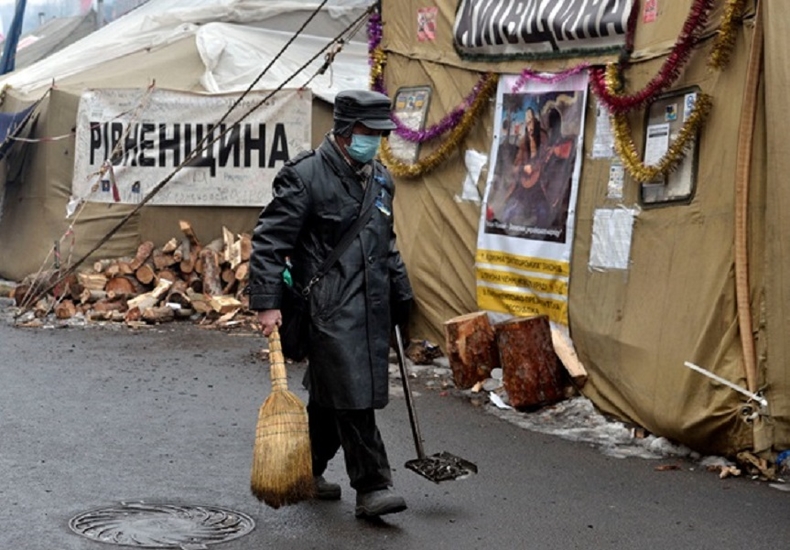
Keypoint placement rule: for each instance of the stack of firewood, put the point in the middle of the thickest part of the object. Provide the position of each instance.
(181, 278)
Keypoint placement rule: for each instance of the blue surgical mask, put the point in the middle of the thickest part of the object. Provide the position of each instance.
(363, 147)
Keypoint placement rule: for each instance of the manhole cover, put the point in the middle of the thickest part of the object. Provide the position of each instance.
(148, 525)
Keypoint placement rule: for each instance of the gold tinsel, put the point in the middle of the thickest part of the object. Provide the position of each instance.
(725, 38)
(378, 58)
(402, 169)
(626, 148)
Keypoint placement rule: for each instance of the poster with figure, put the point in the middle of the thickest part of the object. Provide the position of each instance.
(527, 220)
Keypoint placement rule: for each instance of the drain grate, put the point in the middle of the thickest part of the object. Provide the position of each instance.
(150, 525)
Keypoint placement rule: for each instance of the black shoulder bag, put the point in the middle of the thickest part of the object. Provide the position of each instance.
(295, 306)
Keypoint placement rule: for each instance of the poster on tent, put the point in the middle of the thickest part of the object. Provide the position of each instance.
(528, 215)
(128, 141)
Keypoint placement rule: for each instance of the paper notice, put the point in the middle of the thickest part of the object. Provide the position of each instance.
(603, 142)
(657, 143)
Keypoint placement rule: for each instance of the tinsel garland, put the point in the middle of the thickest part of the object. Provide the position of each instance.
(605, 86)
(548, 78)
(458, 134)
(376, 56)
(626, 148)
(377, 60)
(725, 38)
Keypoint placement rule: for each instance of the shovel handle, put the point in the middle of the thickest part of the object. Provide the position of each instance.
(415, 427)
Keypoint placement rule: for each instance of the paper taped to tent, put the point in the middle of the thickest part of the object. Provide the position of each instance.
(610, 165)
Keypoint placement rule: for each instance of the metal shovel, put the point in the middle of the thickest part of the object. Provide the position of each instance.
(440, 466)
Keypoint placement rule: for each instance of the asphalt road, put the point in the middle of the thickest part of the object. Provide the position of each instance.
(92, 417)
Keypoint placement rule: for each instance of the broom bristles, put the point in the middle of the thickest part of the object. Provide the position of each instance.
(282, 465)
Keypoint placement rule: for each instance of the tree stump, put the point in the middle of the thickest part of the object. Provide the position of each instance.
(531, 371)
(471, 348)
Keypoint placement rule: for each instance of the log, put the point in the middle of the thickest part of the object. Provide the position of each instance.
(145, 273)
(89, 296)
(92, 281)
(162, 260)
(156, 315)
(531, 371)
(568, 357)
(200, 302)
(242, 272)
(120, 287)
(149, 299)
(100, 266)
(228, 275)
(186, 228)
(212, 282)
(187, 264)
(143, 252)
(73, 286)
(125, 268)
(178, 294)
(168, 274)
(19, 294)
(230, 250)
(170, 246)
(194, 282)
(112, 270)
(224, 304)
(245, 244)
(65, 310)
(106, 306)
(182, 251)
(471, 348)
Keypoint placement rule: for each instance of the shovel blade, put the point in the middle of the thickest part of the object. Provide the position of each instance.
(442, 467)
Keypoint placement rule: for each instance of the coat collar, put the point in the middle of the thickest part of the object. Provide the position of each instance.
(351, 178)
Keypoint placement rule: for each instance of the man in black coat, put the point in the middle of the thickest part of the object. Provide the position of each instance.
(317, 197)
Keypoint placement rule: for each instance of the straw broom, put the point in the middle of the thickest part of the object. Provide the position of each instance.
(282, 466)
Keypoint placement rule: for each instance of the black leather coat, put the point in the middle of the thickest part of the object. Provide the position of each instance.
(317, 197)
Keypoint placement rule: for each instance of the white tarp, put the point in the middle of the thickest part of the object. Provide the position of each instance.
(141, 138)
(234, 38)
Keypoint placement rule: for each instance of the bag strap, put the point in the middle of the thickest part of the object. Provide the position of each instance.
(366, 210)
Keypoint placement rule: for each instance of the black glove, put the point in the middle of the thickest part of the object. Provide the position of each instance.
(400, 311)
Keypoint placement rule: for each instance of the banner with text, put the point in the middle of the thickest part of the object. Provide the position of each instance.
(528, 216)
(539, 28)
(141, 137)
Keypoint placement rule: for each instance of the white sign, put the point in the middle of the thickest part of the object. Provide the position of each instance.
(611, 238)
(129, 141)
(657, 143)
(520, 27)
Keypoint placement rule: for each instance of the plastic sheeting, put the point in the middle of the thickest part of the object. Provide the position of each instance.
(229, 56)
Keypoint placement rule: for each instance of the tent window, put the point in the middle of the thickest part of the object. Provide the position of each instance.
(665, 117)
(411, 107)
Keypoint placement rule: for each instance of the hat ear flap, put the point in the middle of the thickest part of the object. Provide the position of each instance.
(343, 127)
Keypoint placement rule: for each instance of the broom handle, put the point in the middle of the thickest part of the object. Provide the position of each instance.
(277, 361)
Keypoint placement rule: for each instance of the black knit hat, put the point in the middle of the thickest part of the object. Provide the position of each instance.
(369, 108)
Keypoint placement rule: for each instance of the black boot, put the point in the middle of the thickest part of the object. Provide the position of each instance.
(379, 503)
(325, 490)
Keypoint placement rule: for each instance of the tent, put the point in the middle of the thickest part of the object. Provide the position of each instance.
(52, 36)
(662, 271)
(195, 50)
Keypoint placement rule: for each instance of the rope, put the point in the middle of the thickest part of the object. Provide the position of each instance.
(29, 298)
(743, 168)
(205, 143)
